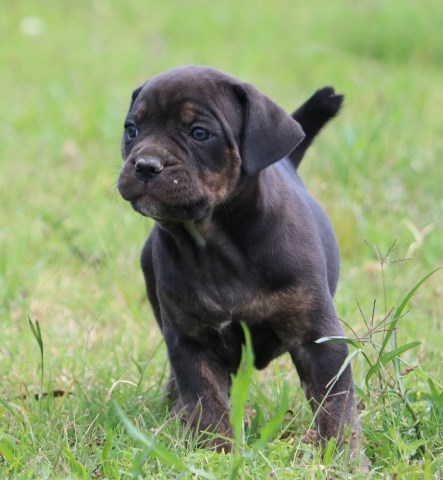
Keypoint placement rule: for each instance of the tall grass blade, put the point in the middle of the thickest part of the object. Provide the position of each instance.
(346, 362)
(400, 308)
(240, 388)
(340, 339)
(389, 356)
(39, 338)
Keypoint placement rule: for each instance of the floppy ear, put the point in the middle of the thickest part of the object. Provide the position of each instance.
(134, 96)
(269, 133)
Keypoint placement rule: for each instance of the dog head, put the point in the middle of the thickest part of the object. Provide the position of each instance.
(191, 134)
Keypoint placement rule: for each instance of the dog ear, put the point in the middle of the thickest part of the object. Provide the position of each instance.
(134, 96)
(269, 133)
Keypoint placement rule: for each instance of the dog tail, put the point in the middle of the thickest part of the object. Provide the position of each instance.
(313, 115)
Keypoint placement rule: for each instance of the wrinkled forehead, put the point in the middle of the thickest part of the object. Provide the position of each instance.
(187, 92)
(191, 78)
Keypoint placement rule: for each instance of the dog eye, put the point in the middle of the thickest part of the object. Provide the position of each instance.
(200, 134)
(131, 131)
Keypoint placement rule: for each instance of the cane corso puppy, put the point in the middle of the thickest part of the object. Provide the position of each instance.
(237, 238)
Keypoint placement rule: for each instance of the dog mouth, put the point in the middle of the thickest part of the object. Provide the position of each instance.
(170, 195)
(149, 206)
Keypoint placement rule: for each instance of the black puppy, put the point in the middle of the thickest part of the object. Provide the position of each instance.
(237, 239)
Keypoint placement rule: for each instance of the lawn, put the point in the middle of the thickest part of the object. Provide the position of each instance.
(73, 311)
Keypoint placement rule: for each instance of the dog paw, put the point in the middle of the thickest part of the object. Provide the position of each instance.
(220, 445)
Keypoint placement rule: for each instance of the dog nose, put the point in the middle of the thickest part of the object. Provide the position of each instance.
(148, 167)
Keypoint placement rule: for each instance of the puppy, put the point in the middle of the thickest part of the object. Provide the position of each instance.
(237, 239)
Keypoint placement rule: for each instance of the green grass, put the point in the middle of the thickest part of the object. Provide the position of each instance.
(69, 246)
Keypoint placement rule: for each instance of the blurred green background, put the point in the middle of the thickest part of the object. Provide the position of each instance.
(70, 245)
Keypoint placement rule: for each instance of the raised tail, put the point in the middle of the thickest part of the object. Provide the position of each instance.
(313, 115)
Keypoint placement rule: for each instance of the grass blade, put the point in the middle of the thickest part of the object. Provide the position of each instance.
(7, 449)
(387, 357)
(156, 450)
(240, 388)
(329, 450)
(39, 338)
(340, 339)
(273, 425)
(346, 362)
(434, 390)
(75, 465)
(400, 309)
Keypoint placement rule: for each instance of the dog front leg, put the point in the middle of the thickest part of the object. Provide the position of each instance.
(203, 387)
